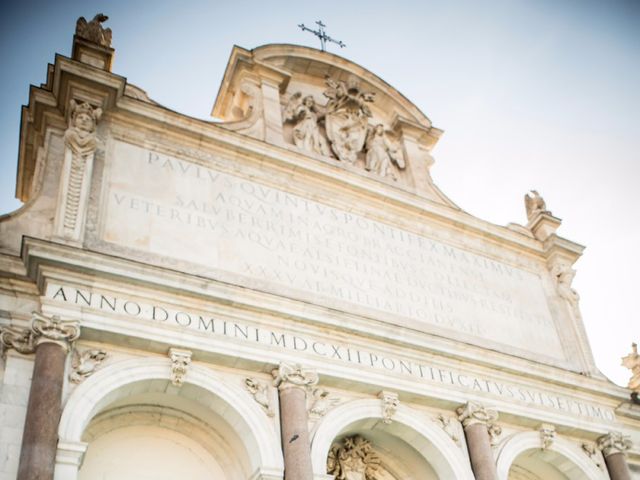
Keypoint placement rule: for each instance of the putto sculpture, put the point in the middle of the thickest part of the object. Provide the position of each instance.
(93, 31)
(306, 114)
(381, 153)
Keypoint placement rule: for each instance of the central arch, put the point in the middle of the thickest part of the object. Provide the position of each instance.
(428, 439)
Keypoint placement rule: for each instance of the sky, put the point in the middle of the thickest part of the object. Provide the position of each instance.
(531, 94)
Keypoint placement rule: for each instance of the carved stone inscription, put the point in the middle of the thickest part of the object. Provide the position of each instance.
(277, 241)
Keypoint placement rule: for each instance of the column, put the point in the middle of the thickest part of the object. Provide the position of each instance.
(476, 420)
(614, 446)
(51, 340)
(293, 383)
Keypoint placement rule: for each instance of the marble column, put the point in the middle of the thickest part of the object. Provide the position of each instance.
(614, 446)
(51, 340)
(477, 420)
(293, 383)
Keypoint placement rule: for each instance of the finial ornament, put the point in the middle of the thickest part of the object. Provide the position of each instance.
(322, 35)
(93, 31)
(632, 362)
(614, 442)
(288, 375)
(535, 205)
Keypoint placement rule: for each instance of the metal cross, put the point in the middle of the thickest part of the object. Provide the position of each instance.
(320, 33)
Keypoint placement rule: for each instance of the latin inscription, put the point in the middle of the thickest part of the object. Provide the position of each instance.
(320, 348)
(229, 224)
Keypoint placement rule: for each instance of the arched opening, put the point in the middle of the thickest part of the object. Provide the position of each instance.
(354, 438)
(535, 464)
(135, 424)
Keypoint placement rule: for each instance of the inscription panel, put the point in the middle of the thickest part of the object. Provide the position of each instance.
(171, 207)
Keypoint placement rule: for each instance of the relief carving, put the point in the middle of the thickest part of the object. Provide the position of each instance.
(547, 435)
(382, 153)
(320, 402)
(535, 205)
(354, 459)
(563, 275)
(80, 140)
(260, 392)
(592, 452)
(180, 361)
(347, 117)
(450, 427)
(390, 404)
(306, 114)
(85, 364)
(93, 31)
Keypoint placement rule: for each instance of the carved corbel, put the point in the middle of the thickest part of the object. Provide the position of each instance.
(84, 364)
(547, 435)
(180, 361)
(260, 393)
(614, 442)
(294, 376)
(80, 142)
(390, 404)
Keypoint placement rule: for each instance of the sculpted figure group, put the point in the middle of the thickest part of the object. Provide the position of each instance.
(341, 128)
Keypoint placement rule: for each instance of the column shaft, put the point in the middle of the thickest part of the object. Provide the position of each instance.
(479, 445)
(296, 447)
(40, 437)
(617, 466)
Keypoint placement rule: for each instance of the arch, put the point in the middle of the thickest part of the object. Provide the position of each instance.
(121, 380)
(575, 464)
(428, 439)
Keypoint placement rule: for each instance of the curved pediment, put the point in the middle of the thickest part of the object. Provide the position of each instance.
(330, 108)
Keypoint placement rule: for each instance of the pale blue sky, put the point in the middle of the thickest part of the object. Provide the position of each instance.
(531, 94)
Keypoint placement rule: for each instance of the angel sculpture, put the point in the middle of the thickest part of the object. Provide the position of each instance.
(381, 153)
(535, 205)
(84, 364)
(306, 133)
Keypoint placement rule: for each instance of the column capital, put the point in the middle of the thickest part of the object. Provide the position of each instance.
(293, 376)
(614, 442)
(52, 329)
(472, 413)
(20, 339)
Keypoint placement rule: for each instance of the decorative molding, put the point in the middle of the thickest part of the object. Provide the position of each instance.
(472, 413)
(260, 393)
(354, 459)
(180, 361)
(591, 450)
(320, 402)
(547, 435)
(85, 364)
(390, 404)
(614, 442)
(288, 375)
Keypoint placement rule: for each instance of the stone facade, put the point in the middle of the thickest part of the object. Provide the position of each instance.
(282, 294)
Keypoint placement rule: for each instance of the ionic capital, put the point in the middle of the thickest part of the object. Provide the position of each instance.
(54, 330)
(472, 413)
(293, 376)
(614, 442)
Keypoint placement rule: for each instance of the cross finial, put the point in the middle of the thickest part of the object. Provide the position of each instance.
(322, 35)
